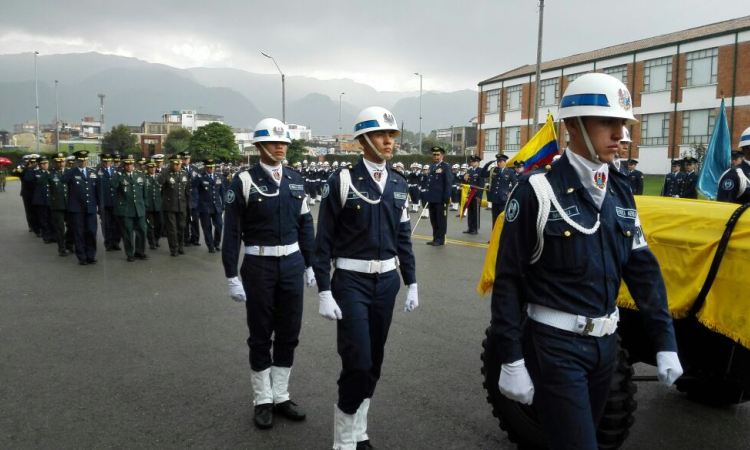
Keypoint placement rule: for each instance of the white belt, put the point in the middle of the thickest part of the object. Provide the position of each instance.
(582, 325)
(365, 266)
(276, 250)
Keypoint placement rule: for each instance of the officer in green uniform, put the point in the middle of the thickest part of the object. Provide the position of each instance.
(153, 206)
(129, 186)
(58, 203)
(175, 195)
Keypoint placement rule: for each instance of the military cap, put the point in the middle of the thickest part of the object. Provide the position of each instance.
(501, 157)
(676, 162)
(70, 158)
(737, 154)
(185, 154)
(518, 163)
(128, 159)
(690, 160)
(475, 158)
(158, 157)
(116, 157)
(175, 159)
(151, 164)
(209, 163)
(43, 159)
(142, 160)
(105, 157)
(33, 158)
(438, 150)
(59, 156)
(632, 161)
(81, 155)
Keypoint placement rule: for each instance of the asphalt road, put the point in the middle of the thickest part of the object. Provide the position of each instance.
(152, 355)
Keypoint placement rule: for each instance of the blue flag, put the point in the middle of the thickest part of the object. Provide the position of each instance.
(718, 157)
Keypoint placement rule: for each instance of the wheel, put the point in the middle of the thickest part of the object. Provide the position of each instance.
(521, 422)
(718, 393)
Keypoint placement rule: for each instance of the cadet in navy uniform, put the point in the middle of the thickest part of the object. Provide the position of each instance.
(192, 234)
(636, 177)
(27, 193)
(623, 153)
(474, 177)
(58, 203)
(364, 228)
(110, 225)
(266, 210)
(518, 166)
(690, 184)
(414, 178)
(673, 181)
(734, 184)
(439, 185)
(83, 198)
(563, 357)
(38, 178)
(211, 205)
(501, 180)
(424, 181)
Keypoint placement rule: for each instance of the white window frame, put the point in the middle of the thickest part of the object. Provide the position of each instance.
(491, 147)
(691, 58)
(543, 101)
(663, 139)
(687, 138)
(492, 107)
(574, 76)
(512, 138)
(618, 70)
(658, 62)
(509, 92)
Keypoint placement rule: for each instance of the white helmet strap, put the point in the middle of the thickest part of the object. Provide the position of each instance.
(594, 156)
(273, 158)
(379, 155)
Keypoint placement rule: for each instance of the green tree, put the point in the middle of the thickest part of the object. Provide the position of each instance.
(120, 140)
(428, 142)
(296, 151)
(178, 140)
(216, 141)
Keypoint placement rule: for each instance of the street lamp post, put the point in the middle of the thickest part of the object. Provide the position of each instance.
(36, 90)
(283, 87)
(420, 110)
(341, 134)
(57, 122)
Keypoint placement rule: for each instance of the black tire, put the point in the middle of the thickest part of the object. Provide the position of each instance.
(718, 393)
(521, 422)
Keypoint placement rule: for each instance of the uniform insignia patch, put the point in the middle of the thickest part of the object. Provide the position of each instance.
(399, 195)
(377, 176)
(296, 186)
(184, 179)
(389, 119)
(626, 213)
(512, 211)
(570, 211)
(439, 171)
(230, 196)
(624, 99)
(278, 131)
(727, 185)
(276, 176)
(93, 175)
(326, 190)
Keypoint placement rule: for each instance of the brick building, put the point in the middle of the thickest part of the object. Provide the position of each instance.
(676, 80)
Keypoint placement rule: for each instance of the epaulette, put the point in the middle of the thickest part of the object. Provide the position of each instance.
(525, 177)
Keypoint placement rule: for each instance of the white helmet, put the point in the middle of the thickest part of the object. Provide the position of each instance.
(425, 167)
(326, 164)
(304, 161)
(597, 94)
(335, 164)
(744, 138)
(455, 166)
(625, 134)
(418, 166)
(271, 130)
(464, 166)
(375, 118)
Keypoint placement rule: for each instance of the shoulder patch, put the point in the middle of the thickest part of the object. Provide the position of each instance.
(512, 211)
(626, 213)
(326, 190)
(727, 184)
(230, 196)
(399, 195)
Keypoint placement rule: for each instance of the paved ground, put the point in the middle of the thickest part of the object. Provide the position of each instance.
(152, 354)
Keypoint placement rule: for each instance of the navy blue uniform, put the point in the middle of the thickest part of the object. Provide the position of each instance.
(110, 225)
(636, 181)
(83, 198)
(577, 274)
(210, 189)
(192, 234)
(414, 192)
(672, 184)
(690, 185)
(27, 196)
(501, 182)
(362, 231)
(273, 285)
(439, 185)
(730, 187)
(475, 178)
(424, 181)
(40, 201)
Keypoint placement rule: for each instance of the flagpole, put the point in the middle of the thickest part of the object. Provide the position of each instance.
(538, 66)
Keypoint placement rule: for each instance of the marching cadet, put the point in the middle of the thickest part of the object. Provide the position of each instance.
(690, 184)
(192, 234)
(110, 225)
(154, 221)
(439, 185)
(58, 204)
(27, 193)
(129, 187)
(636, 177)
(210, 205)
(175, 196)
(474, 177)
(518, 166)
(40, 200)
(414, 192)
(563, 270)
(623, 151)
(266, 210)
(501, 182)
(424, 184)
(673, 181)
(83, 200)
(363, 226)
(734, 186)
(455, 188)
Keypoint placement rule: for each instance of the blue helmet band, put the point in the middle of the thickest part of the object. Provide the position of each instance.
(366, 124)
(584, 100)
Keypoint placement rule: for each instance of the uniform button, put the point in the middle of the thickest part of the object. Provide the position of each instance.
(358, 207)
(260, 200)
(627, 233)
(567, 233)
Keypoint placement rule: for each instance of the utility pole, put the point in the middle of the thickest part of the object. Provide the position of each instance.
(57, 122)
(101, 114)
(36, 89)
(341, 133)
(420, 111)
(402, 135)
(538, 65)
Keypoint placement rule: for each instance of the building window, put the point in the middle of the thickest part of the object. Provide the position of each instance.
(548, 91)
(697, 126)
(573, 76)
(619, 72)
(513, 101)
(655, 129)
(701, 67)
(658, 74)
(490, 140)
(492, 101)
(513, 138)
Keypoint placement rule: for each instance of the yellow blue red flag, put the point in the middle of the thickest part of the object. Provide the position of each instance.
(540, 150)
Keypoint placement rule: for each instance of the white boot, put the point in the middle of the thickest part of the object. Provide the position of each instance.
(343, 430)
(360, 422)
(280, 383)
(261, 387)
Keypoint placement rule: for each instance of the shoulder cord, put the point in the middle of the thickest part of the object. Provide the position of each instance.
(346, 183)
(743, 181)
(546, 197)
(247, 184)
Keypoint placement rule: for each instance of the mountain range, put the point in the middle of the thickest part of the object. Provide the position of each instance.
(138, 91)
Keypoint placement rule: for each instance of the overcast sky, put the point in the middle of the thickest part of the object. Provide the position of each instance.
(454, 44)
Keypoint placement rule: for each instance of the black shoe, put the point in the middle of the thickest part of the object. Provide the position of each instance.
(211, 250)
(180, 251)
(429, 243)
(141, 256)
(131, 259)
(83, 263)
(473, 232)
(63, 253)
(218, 249)
(264, 416)
(364, 445)
(91, 260)
(437, 244)
(109, 249)
(173, 252)
(157, 244)
(187, 244)
(152, 247)
(197, 244)
(467, 231)
(290, 410)
(116, 247)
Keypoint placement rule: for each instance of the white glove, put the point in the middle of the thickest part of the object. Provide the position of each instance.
(328, 307)
(515, 382)
(310, 277)
(412, 298)
(236, 291)
(668, 367)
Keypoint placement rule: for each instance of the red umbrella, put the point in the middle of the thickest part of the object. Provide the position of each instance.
(5, 161)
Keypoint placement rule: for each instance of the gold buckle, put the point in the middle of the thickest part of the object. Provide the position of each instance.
(589, 327)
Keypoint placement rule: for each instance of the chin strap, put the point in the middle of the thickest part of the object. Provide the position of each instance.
(594, 156)
(273, 158)
(379, 155)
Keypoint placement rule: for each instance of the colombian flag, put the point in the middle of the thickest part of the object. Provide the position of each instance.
(540, 150)
(467, 194)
